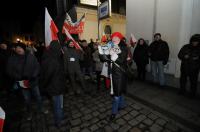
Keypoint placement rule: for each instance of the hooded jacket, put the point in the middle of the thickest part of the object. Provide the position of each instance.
(192, 63)
(140, 55)
(52, 70)
(119, 76)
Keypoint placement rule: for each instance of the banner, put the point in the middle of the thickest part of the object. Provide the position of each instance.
(69, 37)
(74, 28)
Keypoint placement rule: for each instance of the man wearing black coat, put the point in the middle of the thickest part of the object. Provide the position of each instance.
(72, 66)
(159, 54)
(23, 67)
(190, 64)
(52, 78)
(4, 55)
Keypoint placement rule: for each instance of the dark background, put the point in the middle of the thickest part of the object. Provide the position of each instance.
(26, 16)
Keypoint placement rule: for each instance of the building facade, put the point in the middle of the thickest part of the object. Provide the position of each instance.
(176, 20)
(116, 22)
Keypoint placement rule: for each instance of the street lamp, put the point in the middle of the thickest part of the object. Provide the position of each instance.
(18, 40)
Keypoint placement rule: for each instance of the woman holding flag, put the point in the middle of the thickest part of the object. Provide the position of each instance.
(118, 57)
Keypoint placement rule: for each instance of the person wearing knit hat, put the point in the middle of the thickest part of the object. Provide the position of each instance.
(24, 69)
(118, 55)
(189, 55)
(116, 37)
(72, 59)
(20, 48)
(5, 81)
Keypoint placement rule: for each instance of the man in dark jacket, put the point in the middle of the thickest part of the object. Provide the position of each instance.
(190, 64)
(52, 78)
(23, 67)
(159, 54)
(71, 59)
(87, 63)
(4, 55)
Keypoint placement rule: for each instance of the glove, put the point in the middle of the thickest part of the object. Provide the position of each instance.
(104, 58)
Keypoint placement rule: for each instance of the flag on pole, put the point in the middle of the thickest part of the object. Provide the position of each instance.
(74, 27)
(24, 84)
(133, 40)
(50, 29)
(2, 118)
(69, 37)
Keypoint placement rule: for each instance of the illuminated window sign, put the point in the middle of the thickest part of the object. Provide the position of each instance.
(105, 10)
(89, 2)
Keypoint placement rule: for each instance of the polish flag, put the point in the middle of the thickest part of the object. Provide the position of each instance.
(133, 40)
(2, 118)
(69, 37)
(50, 29)
(24, 83)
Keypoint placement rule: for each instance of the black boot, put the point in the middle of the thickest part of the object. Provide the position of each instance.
(112, 117)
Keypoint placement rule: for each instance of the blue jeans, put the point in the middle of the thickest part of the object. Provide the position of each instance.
(58, 108)
(118, 103)
(157, 68)
(27, 96)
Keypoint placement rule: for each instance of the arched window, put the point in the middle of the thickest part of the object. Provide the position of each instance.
(107, 29)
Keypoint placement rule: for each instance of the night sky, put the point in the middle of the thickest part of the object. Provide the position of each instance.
(25, 12)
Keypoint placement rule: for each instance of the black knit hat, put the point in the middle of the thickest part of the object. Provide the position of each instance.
(23, 46)
(67, 43)
(195, 38)
(157, 34)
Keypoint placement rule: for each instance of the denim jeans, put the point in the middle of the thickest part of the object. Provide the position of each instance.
(58, 108)
(27, 96)
(157, 68)
(118, 103)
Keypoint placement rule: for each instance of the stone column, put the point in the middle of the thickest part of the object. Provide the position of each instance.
(185, 29)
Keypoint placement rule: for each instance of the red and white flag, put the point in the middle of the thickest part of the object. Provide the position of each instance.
(74, 27)
(24, 84)
(50, 29)
(133, 40)
(2, 118)
(69, 37)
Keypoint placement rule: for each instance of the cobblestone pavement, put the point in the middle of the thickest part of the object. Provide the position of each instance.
(91, 114)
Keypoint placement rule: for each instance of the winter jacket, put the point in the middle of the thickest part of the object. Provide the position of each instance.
(4, 55)
(140, 55)
(4, 79)
(71, 60)
(159, 51)
(87, 57)
(23, 67)
(52, 79)
(192, 63)
(98, 63)
(118, 75)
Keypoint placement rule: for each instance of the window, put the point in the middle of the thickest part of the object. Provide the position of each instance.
(107, 29)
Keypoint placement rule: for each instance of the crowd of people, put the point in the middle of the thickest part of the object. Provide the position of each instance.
(48, 69)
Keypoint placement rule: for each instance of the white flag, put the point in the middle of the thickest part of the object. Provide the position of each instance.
(50, 29)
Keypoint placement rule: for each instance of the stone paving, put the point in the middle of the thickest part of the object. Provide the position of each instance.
(88, 113)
